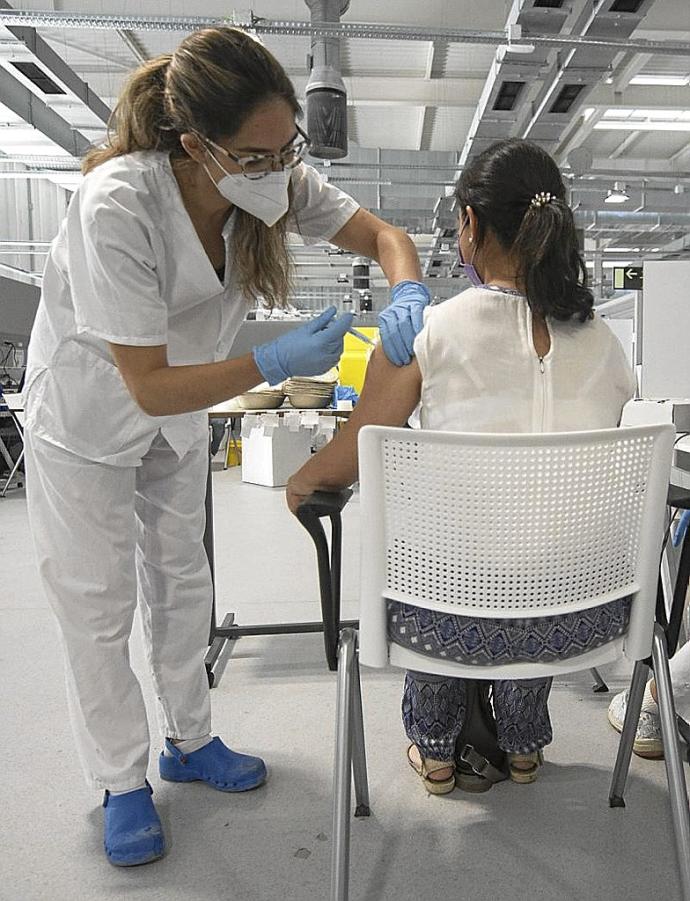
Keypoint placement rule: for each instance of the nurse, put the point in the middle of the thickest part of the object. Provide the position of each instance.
(179, 225)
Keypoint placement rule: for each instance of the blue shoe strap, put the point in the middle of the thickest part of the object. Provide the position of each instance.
(175, 751)
(106, 796)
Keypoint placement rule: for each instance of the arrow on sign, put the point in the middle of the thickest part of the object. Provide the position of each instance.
(631, 273)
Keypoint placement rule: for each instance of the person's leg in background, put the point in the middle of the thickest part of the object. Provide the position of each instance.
(175, 595)
(648, 741)
(523, 723)
(82, 521)
(433, 710)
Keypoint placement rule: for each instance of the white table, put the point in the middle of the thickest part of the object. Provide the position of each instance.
(15, 404)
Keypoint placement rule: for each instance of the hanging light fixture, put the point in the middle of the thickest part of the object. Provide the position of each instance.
(618, 194)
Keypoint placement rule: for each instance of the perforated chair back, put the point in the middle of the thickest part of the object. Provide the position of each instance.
(508, 526)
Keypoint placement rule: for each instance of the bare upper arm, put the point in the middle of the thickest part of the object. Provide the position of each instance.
(360, 233)
(390, 393)
(136, 362)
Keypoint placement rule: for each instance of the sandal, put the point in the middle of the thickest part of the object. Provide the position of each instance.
(425, 767)
(524, 767)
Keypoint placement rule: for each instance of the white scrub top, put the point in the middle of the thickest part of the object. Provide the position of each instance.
(127, 267)
(481, 372)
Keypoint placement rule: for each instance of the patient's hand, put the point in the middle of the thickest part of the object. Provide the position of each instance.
(298, 490)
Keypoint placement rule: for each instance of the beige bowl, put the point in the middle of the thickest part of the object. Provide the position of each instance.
(255, 400)
(303, 401)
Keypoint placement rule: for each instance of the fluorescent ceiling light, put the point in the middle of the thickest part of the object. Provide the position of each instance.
(613, 264)
(632, 125)
(662, 80)
(625, 119)
(617, 194)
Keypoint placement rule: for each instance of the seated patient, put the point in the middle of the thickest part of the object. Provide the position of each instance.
(520, 351)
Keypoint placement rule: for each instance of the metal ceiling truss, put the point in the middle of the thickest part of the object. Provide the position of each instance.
(348, 30)
(542, 50)
(538, 96)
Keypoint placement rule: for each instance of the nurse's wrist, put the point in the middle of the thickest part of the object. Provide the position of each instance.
(408, 288)
(267, 361)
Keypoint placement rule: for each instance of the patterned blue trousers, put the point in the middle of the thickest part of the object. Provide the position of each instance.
(433, 707)
(433, 710)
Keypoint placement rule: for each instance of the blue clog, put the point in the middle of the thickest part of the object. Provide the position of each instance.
(214, 764)
(133, 833)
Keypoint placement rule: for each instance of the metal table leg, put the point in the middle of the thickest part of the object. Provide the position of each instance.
(329, 581)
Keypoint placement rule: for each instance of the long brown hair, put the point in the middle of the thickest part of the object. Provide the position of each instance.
(210, 85)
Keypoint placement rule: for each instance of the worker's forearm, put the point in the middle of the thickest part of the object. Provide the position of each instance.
(183, 389)
(397, 256)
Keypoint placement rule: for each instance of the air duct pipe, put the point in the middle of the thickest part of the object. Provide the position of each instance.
(326, 94)
(361, 283)
(595, 219)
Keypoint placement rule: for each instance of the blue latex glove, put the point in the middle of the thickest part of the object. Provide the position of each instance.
(402, 321)
(681, 528)
(310, 349)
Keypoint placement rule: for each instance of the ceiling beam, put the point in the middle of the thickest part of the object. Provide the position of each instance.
(25, 104)
(625, 145)
(680, 154)
(56, 66)
(133, 44)
(639, 96)
(435, 68)
(579, 135)
(631, 65)
(379, 90)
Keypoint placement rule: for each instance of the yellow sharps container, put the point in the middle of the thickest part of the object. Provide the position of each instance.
(353, 363)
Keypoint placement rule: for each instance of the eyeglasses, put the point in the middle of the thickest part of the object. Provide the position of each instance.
(260, 164)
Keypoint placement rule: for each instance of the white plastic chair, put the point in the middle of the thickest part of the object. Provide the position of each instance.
(507, 526)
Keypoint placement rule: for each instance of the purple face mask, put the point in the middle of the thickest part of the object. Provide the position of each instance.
(468, 268)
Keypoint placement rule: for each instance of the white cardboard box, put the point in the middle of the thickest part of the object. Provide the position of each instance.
(272, 449)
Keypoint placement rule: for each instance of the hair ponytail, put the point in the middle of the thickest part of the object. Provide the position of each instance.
(139, 119)
(506, 186)
(551, 267)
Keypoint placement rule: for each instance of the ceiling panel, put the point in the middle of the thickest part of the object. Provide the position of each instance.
(390, 57)
(395, 127)
(603, 143)
(450, 128)
(656, 144)
(466, 59)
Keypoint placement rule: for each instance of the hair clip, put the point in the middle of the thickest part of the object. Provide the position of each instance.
(542, 198)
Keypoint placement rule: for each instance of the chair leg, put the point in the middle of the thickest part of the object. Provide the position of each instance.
(625, 746)
(674, 767)
(340, 860)
(599, 685)
(359, 753)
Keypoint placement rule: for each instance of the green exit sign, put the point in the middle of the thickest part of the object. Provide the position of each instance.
(627, 278)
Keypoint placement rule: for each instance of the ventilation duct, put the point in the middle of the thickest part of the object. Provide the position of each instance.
(626, 6)
(508, 95)
(361, 283)
(326, 95)
(567, 95)
(37, 76)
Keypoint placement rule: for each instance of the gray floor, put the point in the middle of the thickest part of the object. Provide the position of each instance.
(556, 839)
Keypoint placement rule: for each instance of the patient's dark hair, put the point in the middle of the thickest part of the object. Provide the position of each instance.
(500, 185)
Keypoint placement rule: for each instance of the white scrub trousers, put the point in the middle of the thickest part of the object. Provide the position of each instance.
(107, 537)
(680, 679)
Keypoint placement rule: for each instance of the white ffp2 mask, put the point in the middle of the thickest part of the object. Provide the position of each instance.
(266, 198)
